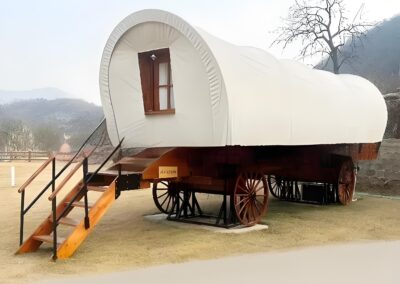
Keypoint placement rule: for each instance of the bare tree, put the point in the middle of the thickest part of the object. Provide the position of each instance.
(15, 136)
(323, 29)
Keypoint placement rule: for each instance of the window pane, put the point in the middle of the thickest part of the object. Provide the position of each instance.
(163, 98)
(163, 73)
(172, 97)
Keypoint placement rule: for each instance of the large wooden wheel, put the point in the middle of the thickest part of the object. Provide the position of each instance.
(275, 184)
(164, 194)
(250, 197)
(346, 182)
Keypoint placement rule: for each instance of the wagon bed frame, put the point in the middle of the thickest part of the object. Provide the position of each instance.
(217, 170)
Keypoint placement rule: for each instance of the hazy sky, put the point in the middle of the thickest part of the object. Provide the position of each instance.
(48, 43)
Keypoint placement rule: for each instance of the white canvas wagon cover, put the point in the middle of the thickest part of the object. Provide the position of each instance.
(226, 94)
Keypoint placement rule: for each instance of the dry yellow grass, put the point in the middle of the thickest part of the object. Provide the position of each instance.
(125, 240)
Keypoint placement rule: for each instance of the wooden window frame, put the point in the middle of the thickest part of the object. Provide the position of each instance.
(149, 75)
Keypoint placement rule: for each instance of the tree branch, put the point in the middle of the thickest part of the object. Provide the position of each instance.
(323, 28)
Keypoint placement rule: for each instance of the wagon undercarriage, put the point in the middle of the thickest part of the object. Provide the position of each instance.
(243, 177)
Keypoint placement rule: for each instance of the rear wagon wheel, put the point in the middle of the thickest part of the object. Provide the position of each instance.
(346, 182)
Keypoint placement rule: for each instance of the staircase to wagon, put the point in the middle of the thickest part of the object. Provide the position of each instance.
(101, 182)
(105, 185)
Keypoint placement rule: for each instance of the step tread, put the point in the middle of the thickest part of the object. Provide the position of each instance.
(48, 239)
(80, 204)
(114, 172)
(101, 188)
(69, 221)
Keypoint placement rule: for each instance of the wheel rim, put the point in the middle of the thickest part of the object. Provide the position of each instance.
(346, 182)
(275, 185)
(163, 196)
(250, 197)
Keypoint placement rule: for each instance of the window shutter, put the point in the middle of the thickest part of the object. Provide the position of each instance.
(146, 77)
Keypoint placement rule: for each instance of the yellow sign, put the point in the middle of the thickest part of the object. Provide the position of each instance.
(167, 172)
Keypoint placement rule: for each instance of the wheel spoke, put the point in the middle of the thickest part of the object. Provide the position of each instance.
(245, 211)
(169, 201)
(245, 189)
(159, 196)
(253, 181)
(256, 185)
(165, 199)
(244, 206)
(242, 200)
(253, 212)
(258, 210)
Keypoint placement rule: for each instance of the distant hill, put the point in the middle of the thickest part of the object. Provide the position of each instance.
(59, 111)
(378, 60)
(7, 96)
(74, 117)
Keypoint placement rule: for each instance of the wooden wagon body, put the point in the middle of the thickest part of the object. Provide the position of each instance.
(243, 176)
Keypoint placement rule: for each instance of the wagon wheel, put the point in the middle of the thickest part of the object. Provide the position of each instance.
(164, 193)
(275, 184)
(250, 197)
(346, 182)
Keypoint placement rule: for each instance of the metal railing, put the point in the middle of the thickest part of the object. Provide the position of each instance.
(24, 210)
(82, 191)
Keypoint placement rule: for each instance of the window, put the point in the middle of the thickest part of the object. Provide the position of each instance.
(156, 79)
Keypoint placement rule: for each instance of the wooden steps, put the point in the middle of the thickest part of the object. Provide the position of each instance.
(80, 233)
(67, 245)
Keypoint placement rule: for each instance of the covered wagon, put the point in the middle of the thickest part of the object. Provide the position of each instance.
(194, 114)
(215, 117)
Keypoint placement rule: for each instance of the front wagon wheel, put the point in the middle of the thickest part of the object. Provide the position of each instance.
(164, 193)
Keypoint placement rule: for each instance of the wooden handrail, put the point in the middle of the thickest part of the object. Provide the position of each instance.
(35, 174)
(66, 179)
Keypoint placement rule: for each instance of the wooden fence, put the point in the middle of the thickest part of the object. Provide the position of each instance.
(24, 155)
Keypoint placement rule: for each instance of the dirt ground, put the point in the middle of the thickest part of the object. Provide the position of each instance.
(125, 240)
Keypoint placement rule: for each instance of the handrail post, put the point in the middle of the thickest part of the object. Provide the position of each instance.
(118, 183)
(21, 225)
(85, 190)
(54, 208)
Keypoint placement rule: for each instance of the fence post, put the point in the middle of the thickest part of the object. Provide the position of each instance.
(12, 171)
(29, 156)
